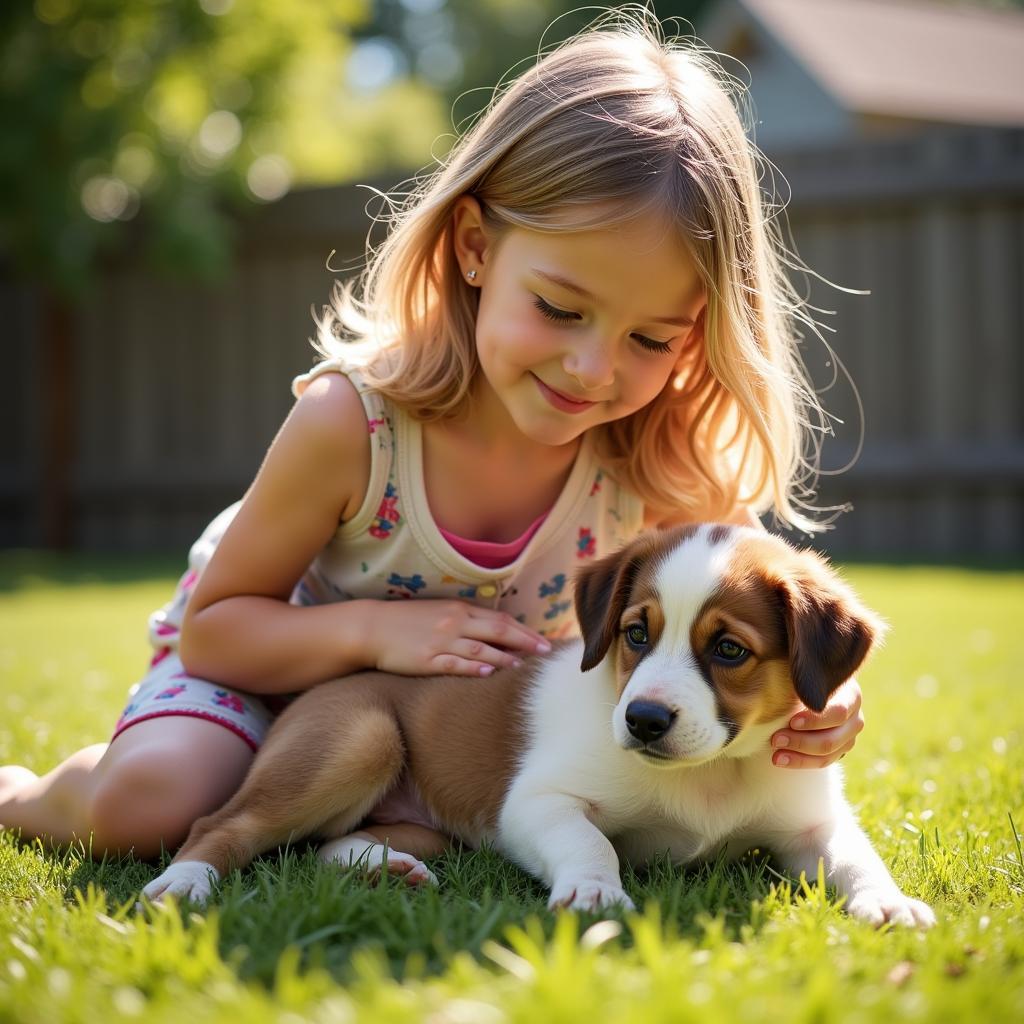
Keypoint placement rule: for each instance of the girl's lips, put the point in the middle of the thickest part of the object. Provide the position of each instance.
(560, 401)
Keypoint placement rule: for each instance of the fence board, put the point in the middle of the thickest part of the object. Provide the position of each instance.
(180, 387)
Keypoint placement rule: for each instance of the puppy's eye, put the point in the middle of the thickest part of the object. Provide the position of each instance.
(636, 634)
(730, 651)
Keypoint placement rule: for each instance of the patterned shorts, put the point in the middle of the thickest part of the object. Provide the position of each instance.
(168, 689)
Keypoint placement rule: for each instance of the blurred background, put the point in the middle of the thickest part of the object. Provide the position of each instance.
(174, 175)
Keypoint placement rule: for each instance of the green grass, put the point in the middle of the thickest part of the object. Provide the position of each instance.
(936, 776)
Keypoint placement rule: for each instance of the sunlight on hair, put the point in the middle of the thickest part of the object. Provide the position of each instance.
(617, 120)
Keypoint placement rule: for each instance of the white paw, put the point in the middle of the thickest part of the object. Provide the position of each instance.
(588, 894)
(187, 879)
(881, 906)
(369, 858)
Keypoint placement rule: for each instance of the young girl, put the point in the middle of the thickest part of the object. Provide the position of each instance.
(576, 328)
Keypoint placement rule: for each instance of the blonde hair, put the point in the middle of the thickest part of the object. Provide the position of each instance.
(621, 119)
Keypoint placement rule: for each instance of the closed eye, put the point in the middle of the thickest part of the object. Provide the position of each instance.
(563, 316)
(553, 312)
(650, 344)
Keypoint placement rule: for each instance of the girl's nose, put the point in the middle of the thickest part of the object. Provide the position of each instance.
(589, 362)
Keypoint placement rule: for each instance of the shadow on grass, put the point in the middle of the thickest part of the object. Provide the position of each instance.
(290, 899)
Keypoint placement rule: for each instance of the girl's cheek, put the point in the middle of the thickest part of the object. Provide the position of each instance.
(524, 341)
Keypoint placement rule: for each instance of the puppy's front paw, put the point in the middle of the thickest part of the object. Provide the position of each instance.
(588, 894)
(188, 879)
(881, 906)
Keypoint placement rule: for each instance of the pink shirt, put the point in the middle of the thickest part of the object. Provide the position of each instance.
(490, 555)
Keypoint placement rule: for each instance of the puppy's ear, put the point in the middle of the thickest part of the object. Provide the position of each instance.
(602, 590)
(830, 631)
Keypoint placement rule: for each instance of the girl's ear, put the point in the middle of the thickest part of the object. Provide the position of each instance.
(469, 236)
(696, 336)
(693, 344)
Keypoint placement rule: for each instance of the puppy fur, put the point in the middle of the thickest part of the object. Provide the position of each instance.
(649, 734)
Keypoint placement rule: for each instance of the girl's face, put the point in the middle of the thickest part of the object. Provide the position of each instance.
(578, 328)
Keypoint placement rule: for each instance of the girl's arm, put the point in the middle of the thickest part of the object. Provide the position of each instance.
(238, 627)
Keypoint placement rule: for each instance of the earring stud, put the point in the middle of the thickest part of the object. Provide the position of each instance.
(471, 275)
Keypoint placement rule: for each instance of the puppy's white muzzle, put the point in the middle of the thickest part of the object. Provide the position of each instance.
(668, 714)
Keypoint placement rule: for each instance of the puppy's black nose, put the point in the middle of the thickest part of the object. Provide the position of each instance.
(648, 721)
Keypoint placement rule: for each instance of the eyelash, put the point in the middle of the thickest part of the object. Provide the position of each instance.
(550, 312)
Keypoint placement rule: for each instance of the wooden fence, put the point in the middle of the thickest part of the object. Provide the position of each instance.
(167, 394)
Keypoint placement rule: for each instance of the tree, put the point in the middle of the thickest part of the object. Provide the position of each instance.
(155, 123)
(171, 114)
(150, 126)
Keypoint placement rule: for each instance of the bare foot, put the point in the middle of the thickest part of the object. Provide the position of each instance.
(13, 778)
(405, 867)
(369, 857)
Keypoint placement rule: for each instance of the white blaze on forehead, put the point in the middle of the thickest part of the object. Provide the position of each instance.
(687, 576)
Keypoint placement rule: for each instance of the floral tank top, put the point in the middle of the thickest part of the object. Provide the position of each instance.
(392, 549)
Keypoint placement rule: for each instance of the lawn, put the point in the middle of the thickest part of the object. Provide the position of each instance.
(937, 777)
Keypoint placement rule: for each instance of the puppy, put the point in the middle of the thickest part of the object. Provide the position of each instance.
(649, 734)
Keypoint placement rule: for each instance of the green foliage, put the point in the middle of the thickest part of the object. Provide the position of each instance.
(148, 129)
(171, 115)
(937, 778)
(464, 48)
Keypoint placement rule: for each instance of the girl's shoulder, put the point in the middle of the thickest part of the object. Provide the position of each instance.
(332, 369)
(346, 391)
(337, 415)
(332, 398)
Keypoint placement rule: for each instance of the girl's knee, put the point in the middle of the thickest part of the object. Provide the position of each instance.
(145, 802)
(150, 793)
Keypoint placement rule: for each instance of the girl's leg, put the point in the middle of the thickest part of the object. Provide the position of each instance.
(417, 840)
(140, 793)
(50, 806)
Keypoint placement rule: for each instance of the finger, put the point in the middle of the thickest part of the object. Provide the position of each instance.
(502, 629)
(795, 759)
(478, 651)
(507, 631)
(453, 665)
(843, 705)
(819, 743)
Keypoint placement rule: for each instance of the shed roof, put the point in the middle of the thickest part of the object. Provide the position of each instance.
(906, 58)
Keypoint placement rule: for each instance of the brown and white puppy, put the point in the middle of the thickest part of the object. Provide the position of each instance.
(650, 734)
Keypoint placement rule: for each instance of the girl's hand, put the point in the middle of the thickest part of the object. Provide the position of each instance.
(440, 637)
(815, 740)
